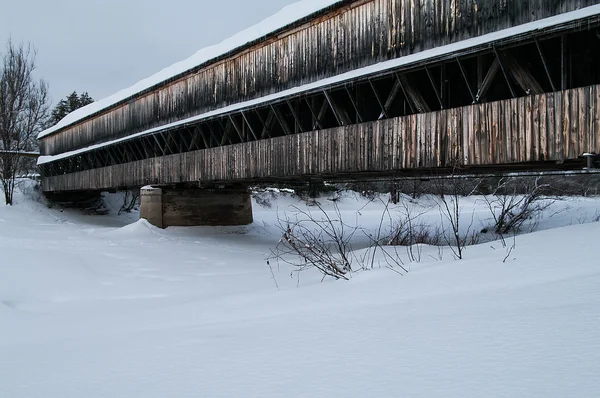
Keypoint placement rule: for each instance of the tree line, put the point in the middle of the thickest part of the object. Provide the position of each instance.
(25, 111)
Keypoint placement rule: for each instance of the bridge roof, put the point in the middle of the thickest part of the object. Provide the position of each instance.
(441, 52)
(288, 16)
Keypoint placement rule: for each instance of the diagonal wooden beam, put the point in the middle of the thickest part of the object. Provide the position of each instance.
(214, 138)
(390, 100)
(160, 146)
(340, 113)
(266, 123)
(487, 80)
(226, 130)
(237, 129)
(281, 120)
(405, 93)
(135, 148)
(295, 115)
(249, 126)
(522, 75)
(548, 75)
(464, 75)
(354, 105)
(435, 89)
(324, 108)
(316, 123)
(381, 105)
(167, 137)
(414, 96)
(199, 132)
(504, 72)
(148, 147)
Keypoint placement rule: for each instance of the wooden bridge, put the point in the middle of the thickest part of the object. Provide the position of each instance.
(357, 89)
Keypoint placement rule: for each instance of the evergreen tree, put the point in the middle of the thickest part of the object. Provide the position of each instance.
(68, 105)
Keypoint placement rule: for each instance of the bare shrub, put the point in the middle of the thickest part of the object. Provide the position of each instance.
(451, 190)
(510, 209)
(377, 241)
(316, 240)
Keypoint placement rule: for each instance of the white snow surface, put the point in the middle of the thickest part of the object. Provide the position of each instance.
(379, 67)
(284, 17)
(104, 306)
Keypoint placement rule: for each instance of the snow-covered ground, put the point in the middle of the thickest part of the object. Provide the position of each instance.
(104, 306)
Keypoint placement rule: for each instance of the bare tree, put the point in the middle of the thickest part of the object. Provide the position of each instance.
(24, 108)
(131, 199)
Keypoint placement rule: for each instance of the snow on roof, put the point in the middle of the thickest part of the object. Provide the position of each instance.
(368, 70)
(286, 16)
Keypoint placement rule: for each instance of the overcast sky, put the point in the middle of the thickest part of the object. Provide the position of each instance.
(102, 46)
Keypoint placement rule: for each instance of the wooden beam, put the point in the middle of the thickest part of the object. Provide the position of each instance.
(390, 100)
(198, 131)
(266, 123)
(435, 89)
(213, 135)
(316, 122)
(541, 53)
(324, 108)
(381, 105)
(487, 80)
(249, 126)
(358, 115)
(341, 116)
(405, 93)
(226, 130)
(237, 128)
(466, 79)
(510, 87)
(523, 76)
(296, 119)
(415, 96)
(282, 122)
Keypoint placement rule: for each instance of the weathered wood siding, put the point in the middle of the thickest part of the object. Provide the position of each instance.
(547, 127)
(360, 33)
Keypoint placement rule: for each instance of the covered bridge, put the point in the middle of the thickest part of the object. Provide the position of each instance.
(348, 89)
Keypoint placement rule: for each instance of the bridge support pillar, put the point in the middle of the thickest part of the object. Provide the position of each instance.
(185, 207)
(151, 206)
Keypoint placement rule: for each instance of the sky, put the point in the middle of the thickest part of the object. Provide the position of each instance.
(104, 46)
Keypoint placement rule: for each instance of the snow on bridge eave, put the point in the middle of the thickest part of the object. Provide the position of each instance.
(287, 17)
(438, 52)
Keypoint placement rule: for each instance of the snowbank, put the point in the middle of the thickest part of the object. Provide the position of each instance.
(94, 311)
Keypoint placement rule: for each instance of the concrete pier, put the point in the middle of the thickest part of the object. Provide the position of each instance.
(169, 207)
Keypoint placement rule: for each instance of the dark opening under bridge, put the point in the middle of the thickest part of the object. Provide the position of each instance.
(359, 89)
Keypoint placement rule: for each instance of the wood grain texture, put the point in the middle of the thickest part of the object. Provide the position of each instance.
(356, 34)
(546, 127)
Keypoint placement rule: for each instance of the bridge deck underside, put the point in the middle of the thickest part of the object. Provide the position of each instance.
(546, 129)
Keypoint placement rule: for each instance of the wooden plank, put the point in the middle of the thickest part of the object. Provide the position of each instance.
(529, 133)
(582, 123)
(574, 126)
(566, 125)
(595, 129)
(543, 127)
